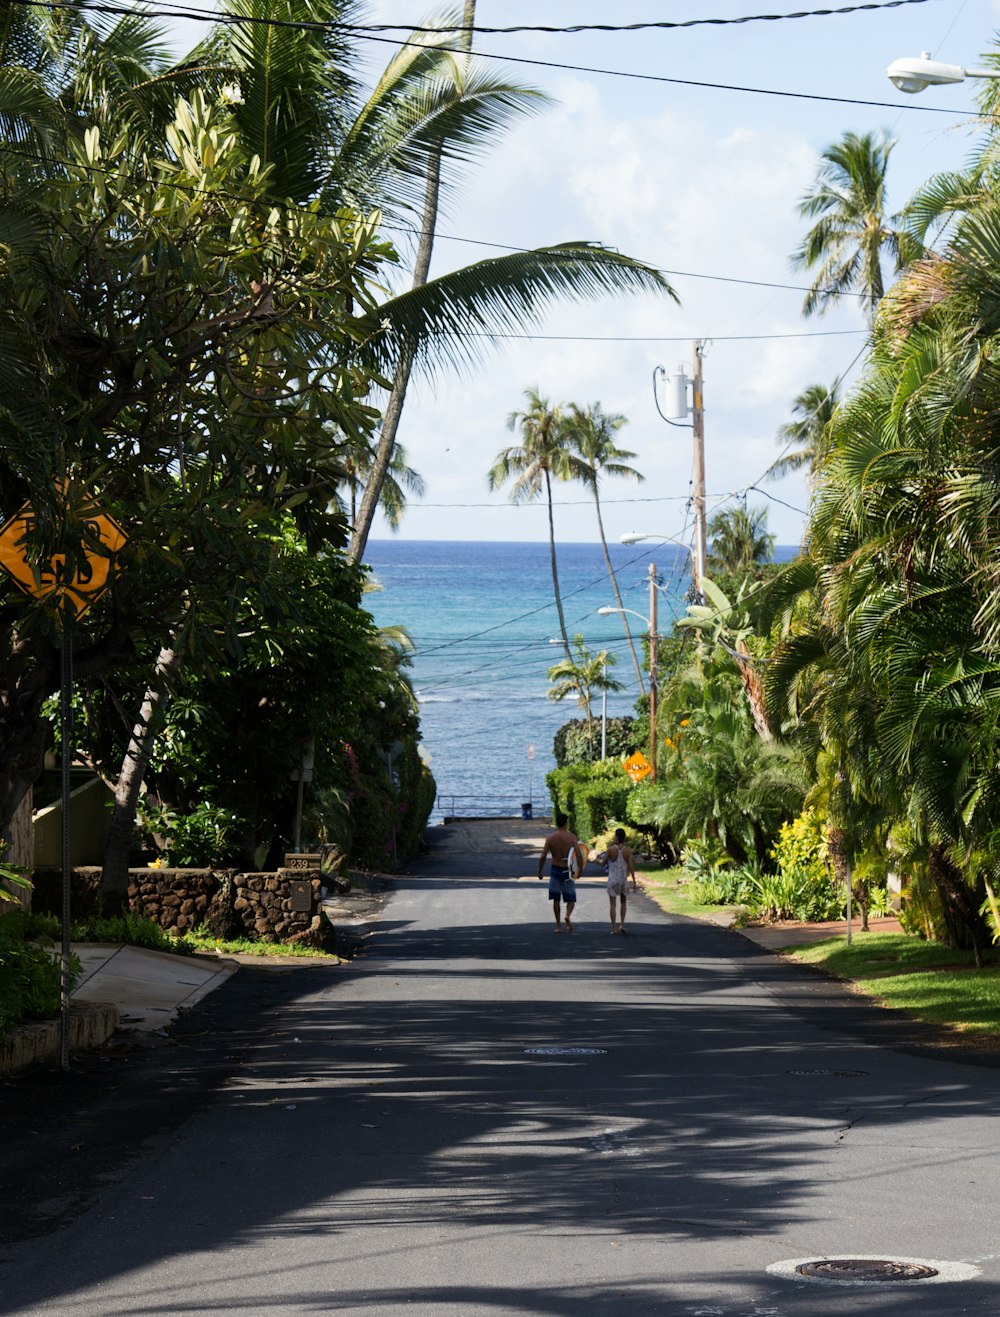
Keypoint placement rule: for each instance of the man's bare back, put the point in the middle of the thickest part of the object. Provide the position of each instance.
(558, 848)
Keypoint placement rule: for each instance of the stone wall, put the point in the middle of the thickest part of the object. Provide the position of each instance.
(271, 907)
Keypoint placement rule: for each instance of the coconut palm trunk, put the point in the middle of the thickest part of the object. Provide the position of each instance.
(555, 569)
(401, 379)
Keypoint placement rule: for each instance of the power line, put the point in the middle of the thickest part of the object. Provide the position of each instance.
(194, 13)
(652, 338)
(640, 27)
(233, 20)
(682, 82)
(397, 226)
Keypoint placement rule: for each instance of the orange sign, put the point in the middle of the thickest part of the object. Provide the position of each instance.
(637, 766)
(48, 580)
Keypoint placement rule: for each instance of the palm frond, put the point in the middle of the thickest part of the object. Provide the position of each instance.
(455, 318)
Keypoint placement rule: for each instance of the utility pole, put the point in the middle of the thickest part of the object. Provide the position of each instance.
(652, 671)
(698, 429)
(604, 712)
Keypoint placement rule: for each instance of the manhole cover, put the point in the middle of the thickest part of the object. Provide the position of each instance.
(837, 1074)
(866, 1269)
(869, 1270)
(565, 1051)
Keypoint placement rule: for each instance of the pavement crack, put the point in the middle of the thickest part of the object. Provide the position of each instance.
(851, 1124)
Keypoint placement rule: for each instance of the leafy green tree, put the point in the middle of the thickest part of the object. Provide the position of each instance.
(719, 780)
(853, 234)
(193, 376)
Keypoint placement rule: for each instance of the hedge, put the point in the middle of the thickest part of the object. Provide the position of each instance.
(573, 745)
(593, 799)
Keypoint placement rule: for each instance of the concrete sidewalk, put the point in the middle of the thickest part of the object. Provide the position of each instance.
(121, 987)
(148, 987)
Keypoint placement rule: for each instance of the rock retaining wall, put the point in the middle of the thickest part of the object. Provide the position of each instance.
(272, 907)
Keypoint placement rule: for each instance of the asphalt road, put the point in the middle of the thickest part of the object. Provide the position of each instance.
(383, 1139)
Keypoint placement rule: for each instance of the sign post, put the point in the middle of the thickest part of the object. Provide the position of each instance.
(69, 596)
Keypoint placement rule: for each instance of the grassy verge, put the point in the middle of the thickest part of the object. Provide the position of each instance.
(244, 946)
(670, 889)
(134, 930)
(931, 982)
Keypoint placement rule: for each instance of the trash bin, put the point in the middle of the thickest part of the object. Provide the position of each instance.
(526, 810)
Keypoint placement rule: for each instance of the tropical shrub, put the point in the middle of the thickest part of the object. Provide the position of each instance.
(572, 743)
(29, 976)
(657, 840)
(592, 798)
(206, 836)
(802, 849)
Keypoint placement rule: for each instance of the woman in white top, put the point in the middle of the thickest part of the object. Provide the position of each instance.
(621, 867)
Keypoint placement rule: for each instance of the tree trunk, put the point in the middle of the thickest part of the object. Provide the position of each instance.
(114, 876)
(754, 691)
(31, 675)
(555, 570)
(20, 850)
(618, 596)
(401, 379)
(959, 905)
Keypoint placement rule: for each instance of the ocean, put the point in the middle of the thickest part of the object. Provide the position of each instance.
(481, 617)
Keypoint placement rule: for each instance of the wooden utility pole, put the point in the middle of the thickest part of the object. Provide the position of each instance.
(652, 672)
(698, 428)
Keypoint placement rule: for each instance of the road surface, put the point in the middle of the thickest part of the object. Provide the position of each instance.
(409, 1134)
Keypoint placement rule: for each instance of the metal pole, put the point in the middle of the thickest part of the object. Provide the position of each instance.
(604, 714)
(652, 672)
(66, 737)
(698, 429)
(849, 885)
(300, 794)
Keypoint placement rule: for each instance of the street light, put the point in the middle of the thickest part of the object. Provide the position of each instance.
(698, 568)
(915, 75)
(650, 621)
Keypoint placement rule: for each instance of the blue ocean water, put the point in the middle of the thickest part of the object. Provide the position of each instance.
(481, 616)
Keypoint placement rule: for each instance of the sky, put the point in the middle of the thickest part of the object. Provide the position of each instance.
(701, 182)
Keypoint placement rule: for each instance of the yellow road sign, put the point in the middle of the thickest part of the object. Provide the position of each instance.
(637, 766)
(48, 580)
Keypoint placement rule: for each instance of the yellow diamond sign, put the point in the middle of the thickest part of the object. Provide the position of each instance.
(49, 580)
(637, 766)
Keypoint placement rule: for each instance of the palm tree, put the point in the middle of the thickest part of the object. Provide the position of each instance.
(401, 481)
(740, 540)
(542, 454)
(421, 116)
(809, 430)
(592, 432)
(853, 234)
(581, 676)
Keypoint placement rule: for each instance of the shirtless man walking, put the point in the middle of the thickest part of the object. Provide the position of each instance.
(559, 847)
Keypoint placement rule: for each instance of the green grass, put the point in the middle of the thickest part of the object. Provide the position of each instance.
(244, 946)
(135, 930)
(929, 981)
(670, 889)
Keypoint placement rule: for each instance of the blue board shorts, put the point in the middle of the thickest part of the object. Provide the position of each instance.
(561, 885)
